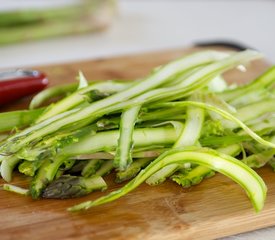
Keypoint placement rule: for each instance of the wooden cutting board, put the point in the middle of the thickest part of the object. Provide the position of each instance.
(217, 207)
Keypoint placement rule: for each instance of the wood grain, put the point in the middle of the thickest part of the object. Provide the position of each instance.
(215, 208)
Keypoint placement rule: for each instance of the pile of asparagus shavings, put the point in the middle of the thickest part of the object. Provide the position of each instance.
(181, 123)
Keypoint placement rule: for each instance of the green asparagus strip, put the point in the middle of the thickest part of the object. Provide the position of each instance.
(252, 111)
(52, 92)
(34, 16)
(72, 186)
(128, 119)
(81, 96)
(105, 168)
(133, 169)
(225, 164)
(123, 157)
(196, 175)
(271, 162)
(29, 168)
(82, 80)
(223, 113)
(45, 175)
(143, 152)
(107, 141)
(252, 97)
(78, 166)
(266, 80)
(188, 137)
(18, 119)
(7, 166)
(91, 167)
(260, 159)
(16, 189)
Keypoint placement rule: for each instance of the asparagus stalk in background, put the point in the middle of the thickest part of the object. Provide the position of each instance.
(33, 24)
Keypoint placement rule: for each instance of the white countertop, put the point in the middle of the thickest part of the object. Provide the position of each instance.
(154, 25)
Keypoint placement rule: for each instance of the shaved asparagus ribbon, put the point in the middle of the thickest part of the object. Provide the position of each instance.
(247, 178)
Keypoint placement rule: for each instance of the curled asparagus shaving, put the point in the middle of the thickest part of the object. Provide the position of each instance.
(225, 164)
(197, 174)
(188, 137)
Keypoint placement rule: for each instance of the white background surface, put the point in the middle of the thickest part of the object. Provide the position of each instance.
(154, 25)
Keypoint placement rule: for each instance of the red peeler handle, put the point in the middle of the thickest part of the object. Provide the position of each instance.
(16, 84)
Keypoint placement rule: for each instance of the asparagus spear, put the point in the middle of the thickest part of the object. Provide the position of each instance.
(29, 168)
(132, 170)
(49, 22)
(45, 175)
(194, 177)
(72, 186)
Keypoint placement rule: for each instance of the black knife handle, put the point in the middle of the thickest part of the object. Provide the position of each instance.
(223, 43)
